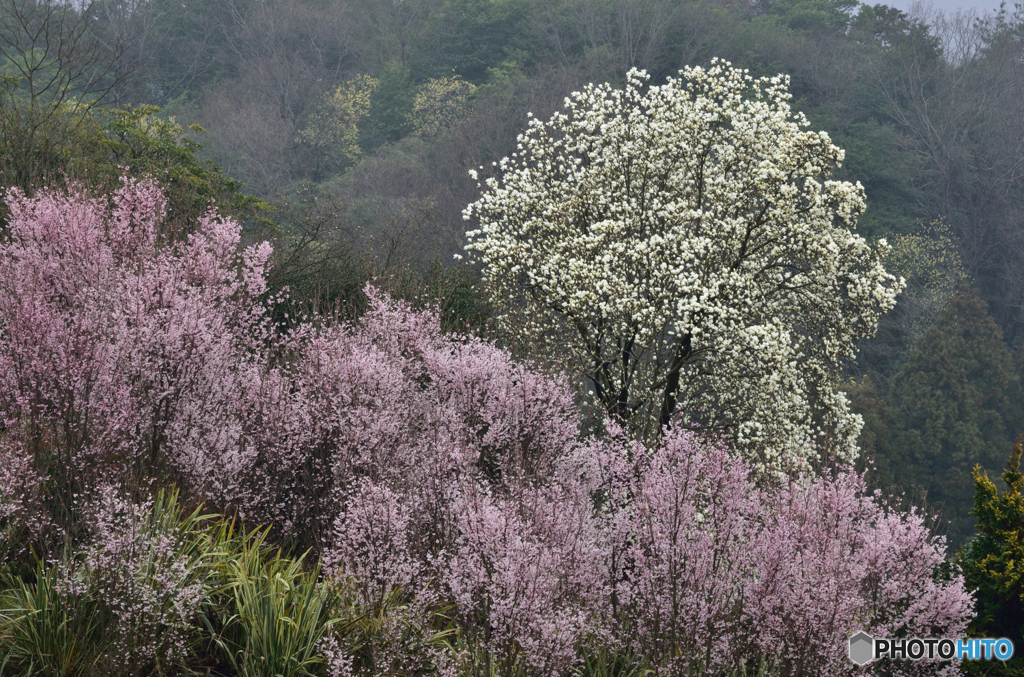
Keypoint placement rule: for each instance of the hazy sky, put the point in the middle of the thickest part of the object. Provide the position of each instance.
(980, 5)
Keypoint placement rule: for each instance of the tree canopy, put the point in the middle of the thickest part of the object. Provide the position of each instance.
(687, 243)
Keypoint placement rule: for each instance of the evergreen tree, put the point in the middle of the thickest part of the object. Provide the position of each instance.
(992, 562)
(956, 400)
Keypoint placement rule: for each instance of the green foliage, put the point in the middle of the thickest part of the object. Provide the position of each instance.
(139, 140)
(930, 262)
(814, 14)
(35, 137)
(181, 58)
(479, 35)
(440, 104)
(993, 562)
(388, 118)
(46, 632)
(271, 614)
(957, 401)
(895, 31)
(332, 130)
(873, 157)
(96, 147)
(45, 91)
(878, 450)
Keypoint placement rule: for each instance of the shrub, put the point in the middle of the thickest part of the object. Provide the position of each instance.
(128, 603)
(672, 554)
(712, 572)
(835, 559)
(111, 334)
(145, 569)
(991, 561)
(465, 524)
(22, 519)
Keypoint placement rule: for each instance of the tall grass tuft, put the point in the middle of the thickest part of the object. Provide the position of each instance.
(45, 631)
(270, 614)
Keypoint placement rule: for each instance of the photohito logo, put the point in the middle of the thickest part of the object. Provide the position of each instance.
(864, 648)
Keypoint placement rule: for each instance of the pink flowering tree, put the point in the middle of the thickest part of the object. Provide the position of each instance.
(694, 514)
(440, 456)
(546, 543)
(712, 571)
(837, 560)
(109, 334)
(431, 470)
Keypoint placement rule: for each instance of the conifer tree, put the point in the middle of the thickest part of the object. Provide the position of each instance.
(957, 402)
(992, 562)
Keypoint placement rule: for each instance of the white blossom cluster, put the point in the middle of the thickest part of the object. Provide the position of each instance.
(688, 245)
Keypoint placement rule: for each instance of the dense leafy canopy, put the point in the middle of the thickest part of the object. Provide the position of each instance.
(955, 405)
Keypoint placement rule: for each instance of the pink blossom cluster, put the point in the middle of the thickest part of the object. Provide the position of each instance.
(22, 519)
(145, 576)
(431, 468)
(115, 337)
(475, 487)
(711, 571)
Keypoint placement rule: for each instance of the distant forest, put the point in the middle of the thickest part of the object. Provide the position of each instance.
(343, 130)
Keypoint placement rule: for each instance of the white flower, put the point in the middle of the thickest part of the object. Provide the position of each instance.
(690, 232)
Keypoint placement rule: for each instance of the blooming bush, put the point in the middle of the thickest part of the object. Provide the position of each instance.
(837, 560)
(371, 544)
(443, 453)
(465, 523)
(145, 572)
(674, 554)
(128, 602)
(716, 572)
(395, 401)
(111, 331)
(692, 520)
(22, 519)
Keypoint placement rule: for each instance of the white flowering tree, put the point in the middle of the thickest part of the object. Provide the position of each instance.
(687, 245)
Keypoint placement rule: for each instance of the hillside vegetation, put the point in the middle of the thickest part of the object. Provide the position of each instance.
(605, 337)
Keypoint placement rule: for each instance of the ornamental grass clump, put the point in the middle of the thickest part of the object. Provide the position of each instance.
(45, 629)
(128, 603)
(270, 615)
